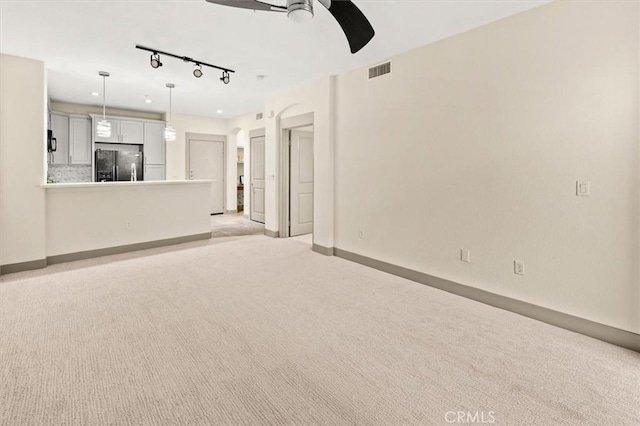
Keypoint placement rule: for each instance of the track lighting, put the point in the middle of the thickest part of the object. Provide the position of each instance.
(197, 72)
(155, 60)
(225, 77)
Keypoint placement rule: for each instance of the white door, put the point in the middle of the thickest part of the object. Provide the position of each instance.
(301, 183)
(206, 161)
(257, 179)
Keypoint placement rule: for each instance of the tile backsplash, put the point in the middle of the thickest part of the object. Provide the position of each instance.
(68, 174)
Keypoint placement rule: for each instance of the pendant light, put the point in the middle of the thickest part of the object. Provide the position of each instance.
(170, 132)
(103, 129)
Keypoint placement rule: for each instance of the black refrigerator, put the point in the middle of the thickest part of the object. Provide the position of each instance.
(118, 166)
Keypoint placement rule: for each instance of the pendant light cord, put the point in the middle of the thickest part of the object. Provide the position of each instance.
(170, 91)
(104, 97)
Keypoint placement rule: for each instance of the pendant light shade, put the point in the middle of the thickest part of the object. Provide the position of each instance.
(169, 131)
(103, 129)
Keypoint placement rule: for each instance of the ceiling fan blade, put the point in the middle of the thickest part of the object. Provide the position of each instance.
(355, 25)
(250, 4)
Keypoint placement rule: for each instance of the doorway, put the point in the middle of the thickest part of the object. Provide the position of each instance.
(297, 171)
(257, 175)
(205, 160)
(300, 182)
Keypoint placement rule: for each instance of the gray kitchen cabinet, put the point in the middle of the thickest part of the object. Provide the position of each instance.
(154, 143)
(131, 132)
(115, 130)
(154, 172)
(122, 131)
(79, 140)
(60, 129)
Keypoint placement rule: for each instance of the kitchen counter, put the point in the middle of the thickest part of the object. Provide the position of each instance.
(122, 184)
(84, 217)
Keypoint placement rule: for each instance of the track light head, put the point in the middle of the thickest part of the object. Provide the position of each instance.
(197, 72)
(155, 61)
(225, 77)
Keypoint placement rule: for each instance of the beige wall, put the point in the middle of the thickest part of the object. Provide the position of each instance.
(176, 159)
(94, 216)
(22, 159)
(314, 97)
(477, 142)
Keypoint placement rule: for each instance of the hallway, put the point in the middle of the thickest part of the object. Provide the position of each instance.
(234, 225)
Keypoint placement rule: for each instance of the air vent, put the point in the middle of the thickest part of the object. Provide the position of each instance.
(259, 116)
(379, 70)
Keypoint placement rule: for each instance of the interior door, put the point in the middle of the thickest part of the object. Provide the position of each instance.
(257, 179)
(206, 161)
(301, 183)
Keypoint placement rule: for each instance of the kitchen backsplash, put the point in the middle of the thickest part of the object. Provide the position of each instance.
(68, 174)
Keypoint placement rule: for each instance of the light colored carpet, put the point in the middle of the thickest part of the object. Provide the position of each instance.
(255, 330)
(234, 225)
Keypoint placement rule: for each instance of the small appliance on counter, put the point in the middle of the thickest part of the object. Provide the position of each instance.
(116, 166)
(52, 146)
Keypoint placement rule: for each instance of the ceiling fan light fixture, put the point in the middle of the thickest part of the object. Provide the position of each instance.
(300, 11)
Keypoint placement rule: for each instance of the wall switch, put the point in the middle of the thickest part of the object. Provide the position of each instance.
(361, 234)
(465, 255)
(583, 188)
(518, 267)
(129, 224)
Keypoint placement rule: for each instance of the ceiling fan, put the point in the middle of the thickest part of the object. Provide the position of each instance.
(353, 22)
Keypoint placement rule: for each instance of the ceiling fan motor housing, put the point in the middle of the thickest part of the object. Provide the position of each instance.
(299, 7)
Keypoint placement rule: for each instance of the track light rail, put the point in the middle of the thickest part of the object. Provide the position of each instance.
(184, 58)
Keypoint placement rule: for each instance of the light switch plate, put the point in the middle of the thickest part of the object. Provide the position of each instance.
(583, 188)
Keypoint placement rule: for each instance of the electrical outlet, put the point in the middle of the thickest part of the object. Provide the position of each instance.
(58, 174)
(518, 267)
(129, 224)
(465, 255)
(583, 188)
(361, 234)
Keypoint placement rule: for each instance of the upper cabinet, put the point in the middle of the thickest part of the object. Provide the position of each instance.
(131, 131)
(154, 144)
(115, 131)
(79, 140)
(122, 131)
(60, 129)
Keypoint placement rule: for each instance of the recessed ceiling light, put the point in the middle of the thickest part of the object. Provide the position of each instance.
(219, 111)
(147, 100)
(95, 94)
(261, 77)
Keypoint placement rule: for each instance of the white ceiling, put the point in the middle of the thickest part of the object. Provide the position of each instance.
(76, 39)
